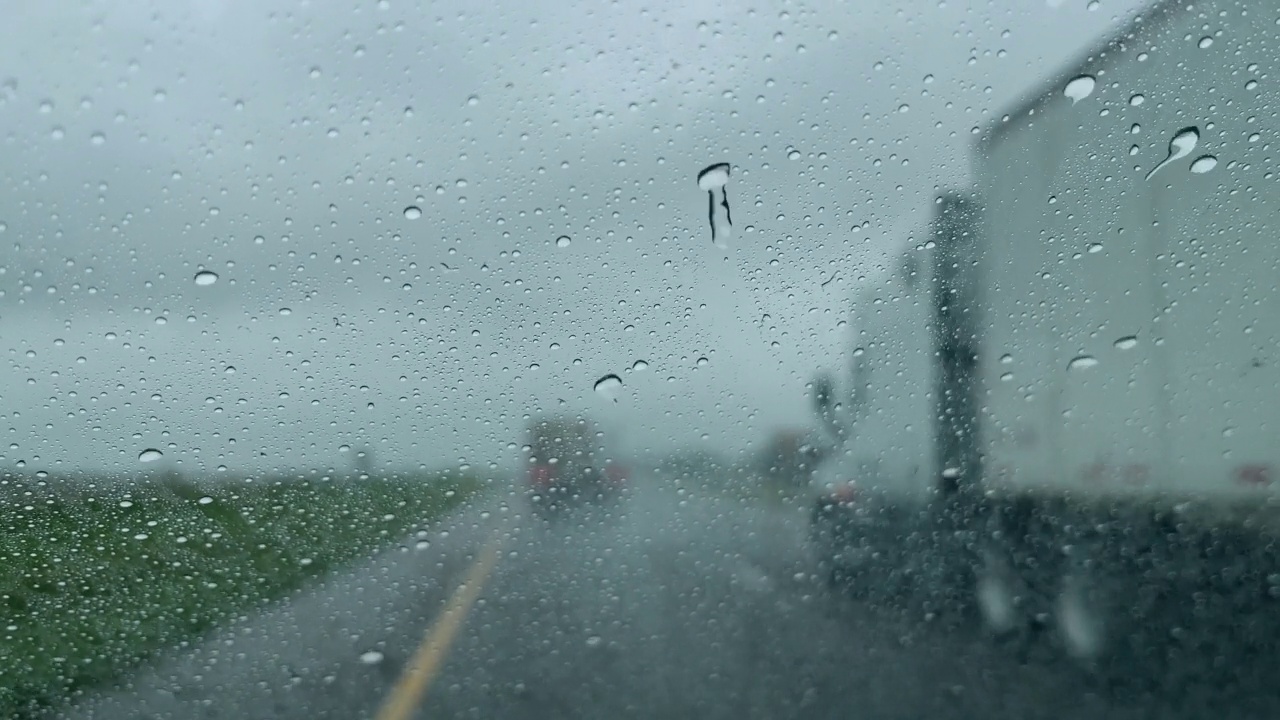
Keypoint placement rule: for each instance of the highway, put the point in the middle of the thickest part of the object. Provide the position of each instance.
(668, 605)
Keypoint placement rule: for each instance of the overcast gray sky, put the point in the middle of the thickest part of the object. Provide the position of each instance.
(278, 145)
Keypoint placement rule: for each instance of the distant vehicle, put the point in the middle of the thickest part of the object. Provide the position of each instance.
(568, 465)
(1062, 406)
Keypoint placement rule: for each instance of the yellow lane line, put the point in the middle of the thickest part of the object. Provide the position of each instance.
(407, 694)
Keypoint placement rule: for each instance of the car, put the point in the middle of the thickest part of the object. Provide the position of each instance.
(850, 533)
(870, 544)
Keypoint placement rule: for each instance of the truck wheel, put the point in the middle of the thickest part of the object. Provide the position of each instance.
(994, 595)
(1081, 617)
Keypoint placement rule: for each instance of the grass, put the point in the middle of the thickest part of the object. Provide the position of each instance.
(94, 582)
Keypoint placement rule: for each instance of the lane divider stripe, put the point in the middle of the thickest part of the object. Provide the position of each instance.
(411, 687)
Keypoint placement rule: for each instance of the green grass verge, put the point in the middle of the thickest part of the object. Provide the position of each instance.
(94, 582)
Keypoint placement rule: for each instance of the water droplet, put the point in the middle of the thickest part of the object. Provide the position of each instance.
(1183, 142)
(608, 386)
(702, 362)
(1204, 164)
(1082, 362)
(1006, 359)
(792, 154)
(563, 241)
(713, 176)
(473, 100)
(595, 641)
(712, 179)
(204, 278)
(205, 500)
(150, 455)
(640, 365)
(413, 212)
(1127, 342)
(373, 657)
(1137, 99)
(1205, 42)
(1079, 88)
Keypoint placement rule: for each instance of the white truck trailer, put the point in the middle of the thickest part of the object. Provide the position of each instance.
(1104, 371)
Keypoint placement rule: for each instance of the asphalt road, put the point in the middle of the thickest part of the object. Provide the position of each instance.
(667, 606)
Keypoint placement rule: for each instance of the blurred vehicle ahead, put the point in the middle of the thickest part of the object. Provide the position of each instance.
(568, 466)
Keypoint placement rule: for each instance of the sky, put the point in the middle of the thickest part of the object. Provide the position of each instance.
(428, 224)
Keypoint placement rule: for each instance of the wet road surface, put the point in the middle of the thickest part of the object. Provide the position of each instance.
(665, 606)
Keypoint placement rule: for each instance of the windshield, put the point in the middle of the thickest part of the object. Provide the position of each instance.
(669, 360)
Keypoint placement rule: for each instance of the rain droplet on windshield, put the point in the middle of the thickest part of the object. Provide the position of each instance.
(608, 386)
(714, 178)
(1079, 88)
(373, 657)
(204, 277)
(413, 212)
(563, 241)
(1179, 147)
(150, 455)
(1204, 164)
(1127, 342)
(1082, 362)
(640, 365)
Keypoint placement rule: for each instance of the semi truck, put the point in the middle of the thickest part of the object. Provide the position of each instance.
(1062, 407)
(568, 465)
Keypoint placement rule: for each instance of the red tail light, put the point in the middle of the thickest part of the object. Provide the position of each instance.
(541, 476)
(846, 493)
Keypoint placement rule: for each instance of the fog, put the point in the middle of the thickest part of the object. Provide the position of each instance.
(278, 146)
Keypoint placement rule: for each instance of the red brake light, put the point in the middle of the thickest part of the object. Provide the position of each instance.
(845, 493)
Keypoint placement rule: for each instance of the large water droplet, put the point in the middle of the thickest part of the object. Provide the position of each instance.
(1082, 362)
(1183, 142)
(1205, 42)
(1204, 164)
(712, 179)
(150, 455)
(608, 386)
(563, 241)
(1137, 99)
(640, 365)
(373, 657)
(1127, 342)
(1079, 88)
(713, 176)
(413, 212)
(204, 277)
